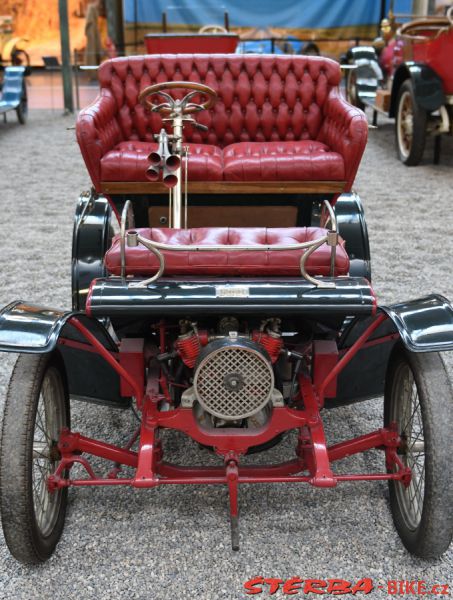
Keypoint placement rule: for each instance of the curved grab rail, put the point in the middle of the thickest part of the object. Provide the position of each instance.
(133, 239)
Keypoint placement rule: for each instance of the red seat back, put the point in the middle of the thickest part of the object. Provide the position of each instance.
(261, 97)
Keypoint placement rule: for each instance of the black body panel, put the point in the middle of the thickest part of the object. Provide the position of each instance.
(114, 297)
(423, 325)
(364, 376)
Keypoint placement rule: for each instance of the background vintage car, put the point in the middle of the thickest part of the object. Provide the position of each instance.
(411, 81)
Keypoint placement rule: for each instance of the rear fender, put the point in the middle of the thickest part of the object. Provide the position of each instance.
(428, 89)
(27, 328)
(92, 236)
(422, 325)
(353, 229)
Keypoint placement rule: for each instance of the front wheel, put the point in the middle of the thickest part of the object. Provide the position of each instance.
(352, 94)
(418, 397)
(36, 409)
(410, 126)
(22, 112)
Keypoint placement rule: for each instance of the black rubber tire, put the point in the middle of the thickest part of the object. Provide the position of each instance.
(22, 112)
(434, 533)
(414, 155)
(22, 534)
(351, 90)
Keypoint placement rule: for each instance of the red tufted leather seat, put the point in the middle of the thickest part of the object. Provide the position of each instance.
(279, 161)
(140, 261)
(128, 161)
(265, 100)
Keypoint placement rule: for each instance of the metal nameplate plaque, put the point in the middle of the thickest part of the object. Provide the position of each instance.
(226, 291)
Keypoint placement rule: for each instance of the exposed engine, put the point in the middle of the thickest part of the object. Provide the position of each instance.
(232, 373)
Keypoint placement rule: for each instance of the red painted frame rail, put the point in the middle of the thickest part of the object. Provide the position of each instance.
(312, 465)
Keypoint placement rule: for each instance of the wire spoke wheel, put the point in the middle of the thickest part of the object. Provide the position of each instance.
(36, 409)
(410, 126)
(407, 413)
(418, 399)
(405, 123)
(48, 424)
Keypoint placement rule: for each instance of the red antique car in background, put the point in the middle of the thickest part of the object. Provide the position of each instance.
(411, 80)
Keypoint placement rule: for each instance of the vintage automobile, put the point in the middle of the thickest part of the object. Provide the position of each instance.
(234, 313)
(214, 39)
(410, 80)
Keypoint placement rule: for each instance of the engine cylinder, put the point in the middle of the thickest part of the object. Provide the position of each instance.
(233, 378)
(188, 346)
(270, 341)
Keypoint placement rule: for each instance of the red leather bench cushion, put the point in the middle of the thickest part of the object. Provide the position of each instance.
(140, 261)
(128, 161)
(305, 160)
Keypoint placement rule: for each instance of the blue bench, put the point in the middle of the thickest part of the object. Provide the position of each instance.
(14, 93)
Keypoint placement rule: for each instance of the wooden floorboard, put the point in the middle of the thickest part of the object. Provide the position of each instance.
(228, 187)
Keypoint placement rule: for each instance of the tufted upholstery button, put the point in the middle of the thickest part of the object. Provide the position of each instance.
(140, 261)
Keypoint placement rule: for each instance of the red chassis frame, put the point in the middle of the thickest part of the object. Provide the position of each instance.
(314, 458)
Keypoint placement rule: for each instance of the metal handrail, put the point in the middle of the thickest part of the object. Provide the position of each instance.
(133, 239)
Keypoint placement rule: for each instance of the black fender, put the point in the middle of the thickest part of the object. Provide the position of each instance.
(353, 229)
(28, 328)
(92, 236)
(428, 88)
(358, 52)
(422, 325)
(368, 72)
(425, 324)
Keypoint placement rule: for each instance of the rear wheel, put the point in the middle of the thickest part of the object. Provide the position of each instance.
(418, 396)
(410, 126)
(36, 409)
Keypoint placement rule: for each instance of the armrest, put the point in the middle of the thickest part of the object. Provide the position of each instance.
(344, 130)
(98, 132)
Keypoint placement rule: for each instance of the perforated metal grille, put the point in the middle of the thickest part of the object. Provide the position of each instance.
(229, 367)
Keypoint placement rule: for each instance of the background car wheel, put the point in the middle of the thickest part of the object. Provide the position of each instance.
(36, 408)
(418, 397)
(20, 58)
(410, 126)
(351, 90)
(22, 112)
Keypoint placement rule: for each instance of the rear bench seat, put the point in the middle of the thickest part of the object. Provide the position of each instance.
(277, 119)
(141, 262)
